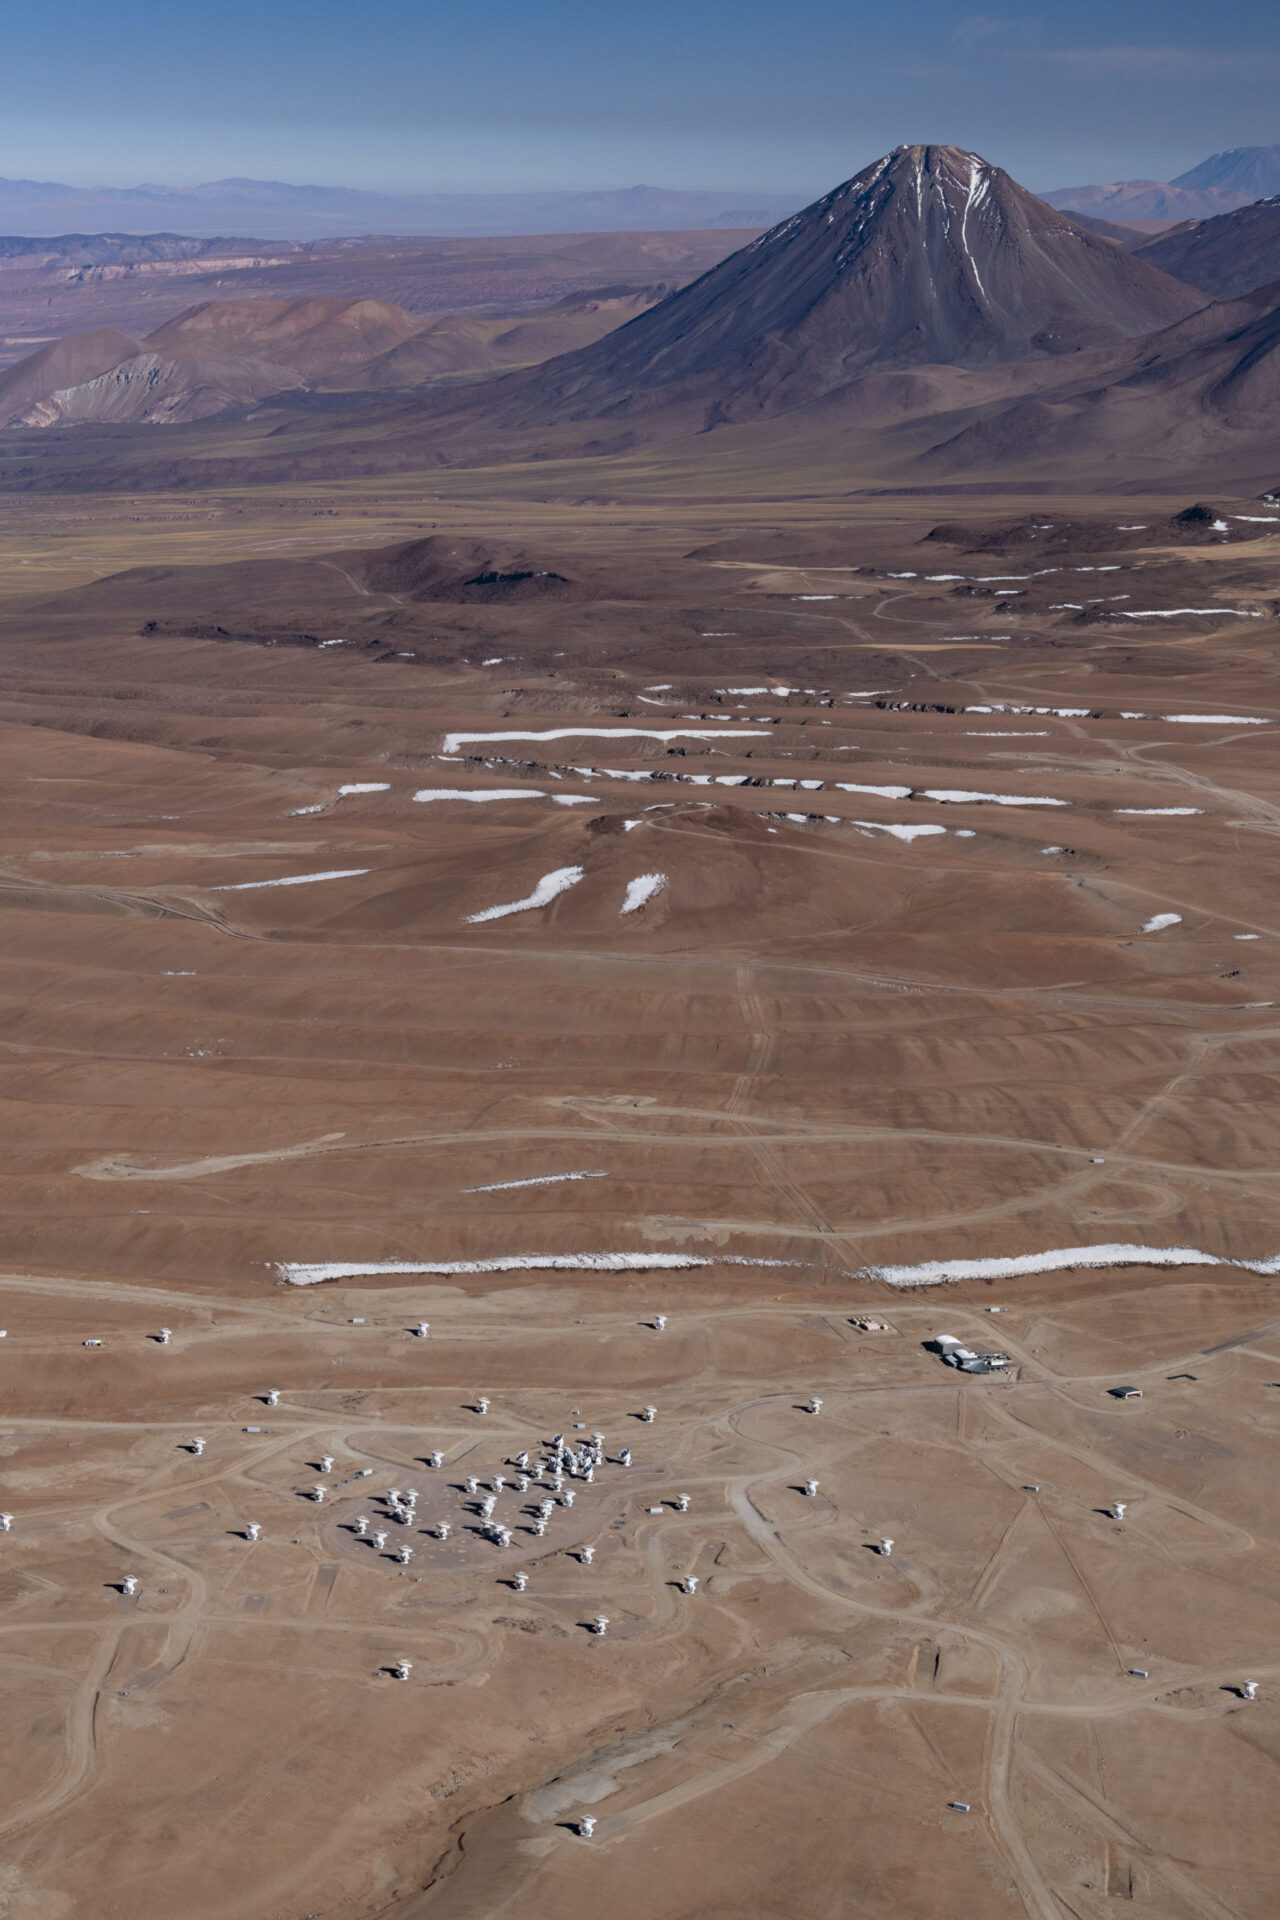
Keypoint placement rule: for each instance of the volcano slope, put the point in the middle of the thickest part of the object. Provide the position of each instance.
(429, 960)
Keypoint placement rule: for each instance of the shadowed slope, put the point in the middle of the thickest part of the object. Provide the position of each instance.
(1201, 395)
(1227, 256)
(62, 364)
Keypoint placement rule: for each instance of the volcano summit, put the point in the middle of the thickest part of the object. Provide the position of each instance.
(929, 256)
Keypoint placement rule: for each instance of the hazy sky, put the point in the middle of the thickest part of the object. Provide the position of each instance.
(785, 94)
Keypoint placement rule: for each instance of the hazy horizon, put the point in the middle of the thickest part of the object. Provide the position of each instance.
(432, 99)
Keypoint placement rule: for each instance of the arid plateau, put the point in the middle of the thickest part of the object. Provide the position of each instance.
(555, 1012)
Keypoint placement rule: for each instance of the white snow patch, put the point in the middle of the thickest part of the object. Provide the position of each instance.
(548, 889)
(505, 793)
(313, 1273)
(885, 793)
(1171, 613)
(932, 1273)
(452, 741)
(641, 889)
(999, 799)
(479, 793)
(365, 786)
(294, 880)
(1158, 811)
(538, 1180)
(1217, 719)
(899, 833)
(1159, 921)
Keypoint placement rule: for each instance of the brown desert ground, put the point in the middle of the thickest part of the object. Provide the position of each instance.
(532, 905)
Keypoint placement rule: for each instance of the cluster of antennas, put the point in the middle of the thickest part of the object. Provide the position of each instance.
(546, 1470)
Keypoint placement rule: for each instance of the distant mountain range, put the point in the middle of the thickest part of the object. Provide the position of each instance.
(284, 212)
(19, 253)
(1218, 185)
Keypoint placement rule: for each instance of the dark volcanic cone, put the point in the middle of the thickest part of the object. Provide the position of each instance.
(930, 256)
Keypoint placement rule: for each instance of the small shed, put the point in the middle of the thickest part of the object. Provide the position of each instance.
(1125, 1393)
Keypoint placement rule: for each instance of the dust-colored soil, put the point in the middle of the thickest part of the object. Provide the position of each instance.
(863, 1022)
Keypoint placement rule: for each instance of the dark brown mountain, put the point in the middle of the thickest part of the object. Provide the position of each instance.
(1226, 256)
(1202, 396)
(929, 256)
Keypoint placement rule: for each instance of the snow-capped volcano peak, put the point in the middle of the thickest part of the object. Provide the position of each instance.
(930, 255)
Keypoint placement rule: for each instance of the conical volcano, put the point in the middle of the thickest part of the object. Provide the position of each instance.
(929, 256)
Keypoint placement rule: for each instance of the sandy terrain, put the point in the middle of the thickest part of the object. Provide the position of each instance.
(889, 816)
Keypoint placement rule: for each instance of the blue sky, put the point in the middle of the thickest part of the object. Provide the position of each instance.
(790, 94)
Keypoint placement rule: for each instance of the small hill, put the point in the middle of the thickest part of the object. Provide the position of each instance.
(468, 344)
(214, 356)
(929, 256)
(311, 337)
(32, 383)
(1226, 256)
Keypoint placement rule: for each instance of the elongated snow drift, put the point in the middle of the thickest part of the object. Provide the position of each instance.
(312, 1274)
(548, 889)
(932, 1273)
